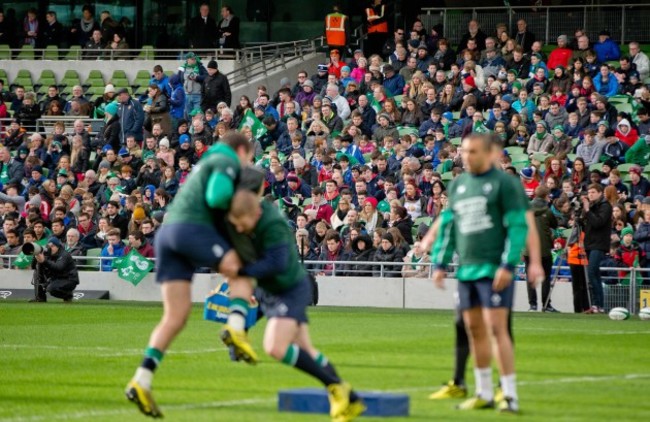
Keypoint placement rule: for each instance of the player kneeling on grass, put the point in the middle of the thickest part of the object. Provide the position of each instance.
(190, 238)
(286, 295)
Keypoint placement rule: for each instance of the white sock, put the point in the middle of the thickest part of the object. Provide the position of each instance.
(483, 380)
(509, 385)
(144, 377)
(237, 321)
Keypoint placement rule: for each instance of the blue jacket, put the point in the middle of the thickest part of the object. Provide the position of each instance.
(284, 142)
(394, 85)
(426, 125)
(607, 51)
(355, 152)
(131, 117)
(118, 250)
(177, 97)
(163, 84)
(610, 88)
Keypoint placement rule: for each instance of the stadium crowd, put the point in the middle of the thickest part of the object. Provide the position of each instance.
(358, 154)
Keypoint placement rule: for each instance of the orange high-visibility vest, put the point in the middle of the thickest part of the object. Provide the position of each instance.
(576, 254)
(376, 27)
(335, 29)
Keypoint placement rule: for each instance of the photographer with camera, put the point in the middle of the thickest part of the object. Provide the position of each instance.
(55, 270)
(596, 220)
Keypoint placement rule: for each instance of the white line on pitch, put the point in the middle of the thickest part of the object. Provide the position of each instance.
(116, 351)
(133, 411)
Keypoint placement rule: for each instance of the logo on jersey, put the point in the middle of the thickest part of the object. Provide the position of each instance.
(230, 172)
(461, 189)
(487, 188)
(495, 299)
(217, 251)
(282, 309)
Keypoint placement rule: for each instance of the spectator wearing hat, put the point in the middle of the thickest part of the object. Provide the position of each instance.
(320, 77)
(561, 55)
(192, 73)
(606, 49)
(393, 82)
(388, 252)
(131, 117)
(384, 129)
(215, 88)
(541, 140)
(639, 153)
(629, 253)
(626, 133)
(58, 272)
(639, 184)
(306, 93)
(467, 95)
(492, 63)
(530, 180)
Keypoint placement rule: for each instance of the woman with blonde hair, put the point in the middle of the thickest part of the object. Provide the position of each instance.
(417, 88)
(79, 157)
(370, 215)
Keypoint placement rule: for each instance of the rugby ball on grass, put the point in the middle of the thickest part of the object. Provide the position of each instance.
(644, 314)
(619, 314)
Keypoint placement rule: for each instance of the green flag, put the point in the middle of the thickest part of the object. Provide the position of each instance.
(133, 267)
(254, 123)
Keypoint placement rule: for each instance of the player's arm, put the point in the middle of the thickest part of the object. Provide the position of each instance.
(515, 205)
(219, 190)
(444, 246)
(275, 256)
(430, 237)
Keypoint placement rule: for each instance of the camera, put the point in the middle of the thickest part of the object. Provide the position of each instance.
(576, 203)
(30, 249)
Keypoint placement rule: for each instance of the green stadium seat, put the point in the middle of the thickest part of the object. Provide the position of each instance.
(447, 177)
(51, 53)
(5, 52)
(519, 158)
(71, 74)
(24, 73)
(95, 90)
(146, 53)
(596, 166)
(625, 168)
(74, 53)
(24, 82)
(45, 83)
(119, 74)
(94, 82)
(120, 83)
(4, 76)
(93, 264)
(26, 53)
(540, 156)
(456, 141)
(143, 74)
(139, 90)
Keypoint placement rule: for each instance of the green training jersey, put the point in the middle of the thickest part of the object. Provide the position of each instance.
(208, 188)
(485, 224)
(272, 230)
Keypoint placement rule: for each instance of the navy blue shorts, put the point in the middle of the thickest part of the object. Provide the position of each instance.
(479, 293)
(289, 304)
(181, 248)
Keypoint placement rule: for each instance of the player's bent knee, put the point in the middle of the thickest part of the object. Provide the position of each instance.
(275, 350)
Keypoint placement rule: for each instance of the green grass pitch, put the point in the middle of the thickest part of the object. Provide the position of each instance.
(71, 362)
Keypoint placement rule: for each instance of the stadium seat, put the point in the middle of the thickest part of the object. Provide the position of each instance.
(456, 141)
(51, 53)
(95, 90)
(147, 53)
(95, 78)
(625, 168)
(4, 77)
(143, 74)
(540, 156)
(515, 150)
(71, 74)
(5, 52)
(447, 177)
(119, 74)
(24, 73)
(93, 264)
(74, 53)
(596, 166)
(26, 53)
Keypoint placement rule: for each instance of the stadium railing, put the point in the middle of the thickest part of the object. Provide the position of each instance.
(627, 22)
(625, 287)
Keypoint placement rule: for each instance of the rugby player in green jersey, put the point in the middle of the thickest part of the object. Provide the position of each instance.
(188, 239)
(486, 224)
(286, 295)
(456, 388)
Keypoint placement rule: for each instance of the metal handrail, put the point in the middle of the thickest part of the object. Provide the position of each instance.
(547, 26)
(258, 61)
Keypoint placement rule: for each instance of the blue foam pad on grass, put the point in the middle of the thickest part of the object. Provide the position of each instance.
(314, 400)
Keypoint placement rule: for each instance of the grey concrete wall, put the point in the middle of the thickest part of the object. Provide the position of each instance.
(334, 291)
(83, 67)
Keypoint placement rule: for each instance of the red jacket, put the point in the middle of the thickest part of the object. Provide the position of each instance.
(630, 256)
(629, 139)
(145, 250)
(559, 57)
